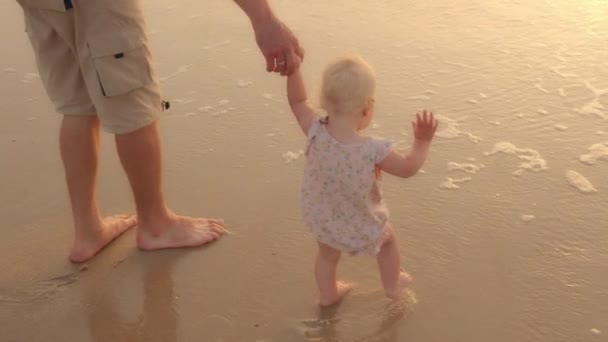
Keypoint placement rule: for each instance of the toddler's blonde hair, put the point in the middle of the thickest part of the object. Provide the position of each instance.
(348, 85)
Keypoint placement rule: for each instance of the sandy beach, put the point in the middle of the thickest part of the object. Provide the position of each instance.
(505, 231)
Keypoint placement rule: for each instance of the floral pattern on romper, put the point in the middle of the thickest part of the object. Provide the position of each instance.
(341, 200)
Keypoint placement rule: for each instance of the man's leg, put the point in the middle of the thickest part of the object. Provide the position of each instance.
(158, 227)
(79, 141)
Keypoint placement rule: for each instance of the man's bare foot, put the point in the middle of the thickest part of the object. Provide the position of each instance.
(404, 281)
(86, 247)
(178, 231)
(342, 290)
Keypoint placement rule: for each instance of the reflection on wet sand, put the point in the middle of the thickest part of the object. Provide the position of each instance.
(361, 317)
(157, 320)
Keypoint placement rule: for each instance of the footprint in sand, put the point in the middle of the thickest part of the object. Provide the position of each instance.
(360, 317)
(41, 290)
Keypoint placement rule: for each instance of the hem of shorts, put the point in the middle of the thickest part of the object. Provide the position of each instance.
(85, 110)
(131, 129)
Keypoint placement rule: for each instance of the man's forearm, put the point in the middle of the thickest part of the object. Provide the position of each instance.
(258, 11)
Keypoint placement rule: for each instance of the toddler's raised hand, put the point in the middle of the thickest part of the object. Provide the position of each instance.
(425, 125)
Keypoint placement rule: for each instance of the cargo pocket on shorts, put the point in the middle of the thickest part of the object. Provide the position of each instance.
(121, 62)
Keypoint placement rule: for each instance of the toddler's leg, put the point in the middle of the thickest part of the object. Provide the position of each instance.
(394, 279)
(331, 291)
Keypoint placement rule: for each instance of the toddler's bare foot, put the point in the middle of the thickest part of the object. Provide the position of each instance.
(175, 231)
(86, 247)
(343, 288)
(404, 281)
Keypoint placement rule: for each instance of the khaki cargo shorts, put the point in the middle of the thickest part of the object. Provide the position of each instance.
(94, 59)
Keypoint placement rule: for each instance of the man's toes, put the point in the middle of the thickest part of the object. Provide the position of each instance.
(131, 221)
(128, 223)
(216, 222)
(217, 228)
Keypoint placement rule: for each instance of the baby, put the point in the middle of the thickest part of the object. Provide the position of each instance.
(341, 200)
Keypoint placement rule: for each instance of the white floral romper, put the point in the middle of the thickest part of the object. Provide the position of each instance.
(341, 197)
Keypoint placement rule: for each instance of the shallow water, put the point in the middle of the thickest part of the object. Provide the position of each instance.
(505, 232)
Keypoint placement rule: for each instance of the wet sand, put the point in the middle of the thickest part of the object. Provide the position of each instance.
(505, 232)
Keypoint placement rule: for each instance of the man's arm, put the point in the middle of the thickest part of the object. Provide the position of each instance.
(277, 43)
(258, 11)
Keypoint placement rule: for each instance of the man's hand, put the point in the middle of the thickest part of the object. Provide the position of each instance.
(279, 46)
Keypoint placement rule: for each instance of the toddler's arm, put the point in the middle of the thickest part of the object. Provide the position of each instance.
(298, 101)
(408, 165)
